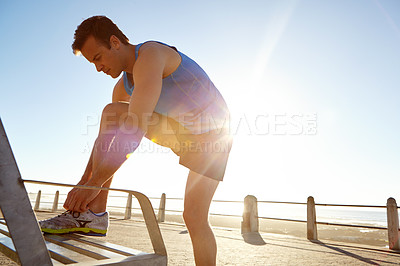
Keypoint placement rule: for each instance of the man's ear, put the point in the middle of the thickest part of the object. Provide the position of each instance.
(115, 42)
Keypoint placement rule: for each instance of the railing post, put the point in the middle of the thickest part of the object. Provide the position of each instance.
(128, 209)
(311, 220)
(393, 224)
(250, 215)
(55, 203)
(161, 209)
(37, 202)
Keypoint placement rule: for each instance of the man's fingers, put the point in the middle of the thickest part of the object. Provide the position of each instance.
(78, 200)
(83, 207)
(75, 205)
(69, 199)
(66, 203)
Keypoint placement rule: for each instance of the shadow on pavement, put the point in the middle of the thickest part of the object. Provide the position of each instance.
(366, 260)
(253, 238)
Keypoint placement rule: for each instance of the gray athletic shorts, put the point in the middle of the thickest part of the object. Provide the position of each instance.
(206, 154)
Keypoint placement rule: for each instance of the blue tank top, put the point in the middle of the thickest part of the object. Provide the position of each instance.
(189, 97)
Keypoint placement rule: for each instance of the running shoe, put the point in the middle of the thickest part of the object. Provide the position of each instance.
(76, 222)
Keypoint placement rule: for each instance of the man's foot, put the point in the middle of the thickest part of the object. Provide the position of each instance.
(75, 222)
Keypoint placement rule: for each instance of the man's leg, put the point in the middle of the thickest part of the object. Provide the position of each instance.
(110, 122)
(99, 204)
(198, 195)
(94, 224)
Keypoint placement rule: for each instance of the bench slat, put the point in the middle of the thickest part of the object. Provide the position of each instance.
(58, 253)
(8, 249)
(106, 245)
(72, 248)
(83, 248)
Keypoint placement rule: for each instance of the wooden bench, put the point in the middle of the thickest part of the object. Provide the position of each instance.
(22, 240)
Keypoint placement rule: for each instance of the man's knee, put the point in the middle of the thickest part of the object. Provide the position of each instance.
(115, 109)
(112, 115)
(194, 218)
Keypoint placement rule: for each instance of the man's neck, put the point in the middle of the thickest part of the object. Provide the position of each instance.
(130, 55)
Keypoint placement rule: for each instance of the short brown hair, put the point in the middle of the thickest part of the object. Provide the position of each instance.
(101, 28)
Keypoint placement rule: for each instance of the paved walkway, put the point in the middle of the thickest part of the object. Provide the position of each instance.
(254, 249)
(250, 249)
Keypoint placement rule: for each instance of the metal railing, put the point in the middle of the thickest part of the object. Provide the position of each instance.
(250, 218)
(326, 205)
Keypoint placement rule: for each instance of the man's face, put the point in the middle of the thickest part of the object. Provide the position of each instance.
(105, 60)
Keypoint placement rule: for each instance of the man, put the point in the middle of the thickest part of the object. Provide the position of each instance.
(166, 97)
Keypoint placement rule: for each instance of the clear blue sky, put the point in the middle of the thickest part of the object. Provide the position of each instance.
(336, 63)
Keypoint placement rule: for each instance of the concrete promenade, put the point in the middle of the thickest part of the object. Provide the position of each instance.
(252, 249)
(237, 249)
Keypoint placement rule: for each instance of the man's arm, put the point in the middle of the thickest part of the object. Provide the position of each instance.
(147, 73)
(119, 92)
(88, 171)
(119, 95)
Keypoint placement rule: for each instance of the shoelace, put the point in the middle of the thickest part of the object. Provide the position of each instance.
(70, 212)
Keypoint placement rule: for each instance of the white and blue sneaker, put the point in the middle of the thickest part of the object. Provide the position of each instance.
(76, 222)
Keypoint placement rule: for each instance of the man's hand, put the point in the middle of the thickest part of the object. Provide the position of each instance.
(78, 199)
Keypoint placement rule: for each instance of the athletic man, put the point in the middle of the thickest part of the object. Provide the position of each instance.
(166, 97)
